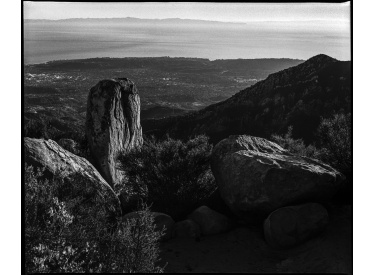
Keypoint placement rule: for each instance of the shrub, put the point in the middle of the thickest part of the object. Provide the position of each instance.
(335, 143)
(76, 144)
(38, 129)
(335, 136)
(63, 235)
(172, 175)
(296, 146)
(74, 139)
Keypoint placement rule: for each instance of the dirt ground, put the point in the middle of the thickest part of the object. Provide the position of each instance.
(244, 249)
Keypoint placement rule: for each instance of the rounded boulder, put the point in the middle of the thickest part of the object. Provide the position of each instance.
(292, 225)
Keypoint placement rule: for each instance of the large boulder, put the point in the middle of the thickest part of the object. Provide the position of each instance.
(161, 221)
(256, 176)
(292, 225)
(112, 124)
(74, 170)
(210, 221)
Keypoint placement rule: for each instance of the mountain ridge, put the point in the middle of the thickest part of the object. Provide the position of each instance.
(299, 95)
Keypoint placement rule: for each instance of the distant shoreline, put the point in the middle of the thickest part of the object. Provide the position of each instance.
(166, 57)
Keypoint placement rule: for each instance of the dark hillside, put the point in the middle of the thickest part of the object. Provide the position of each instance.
(298, 96)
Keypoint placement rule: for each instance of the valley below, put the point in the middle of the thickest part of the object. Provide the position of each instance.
(57, 90)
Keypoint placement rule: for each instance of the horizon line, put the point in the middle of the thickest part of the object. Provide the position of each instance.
(187, 19)
(165, 56)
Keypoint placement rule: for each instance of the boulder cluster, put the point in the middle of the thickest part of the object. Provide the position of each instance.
(260, 181)
(257, 179)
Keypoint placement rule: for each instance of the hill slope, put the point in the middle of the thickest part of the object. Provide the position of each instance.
(297, 96)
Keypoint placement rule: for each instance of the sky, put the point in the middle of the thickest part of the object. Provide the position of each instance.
(225, 12)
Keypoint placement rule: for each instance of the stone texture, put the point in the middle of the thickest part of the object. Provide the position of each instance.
(292, 225)
(161, 221)
(187, 229)
(112, 124)
(256, 176)
(210, 221)
(58, 161)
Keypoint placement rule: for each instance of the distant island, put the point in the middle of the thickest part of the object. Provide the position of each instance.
(133, 20)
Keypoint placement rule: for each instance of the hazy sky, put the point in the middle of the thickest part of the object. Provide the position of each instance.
(227, 12)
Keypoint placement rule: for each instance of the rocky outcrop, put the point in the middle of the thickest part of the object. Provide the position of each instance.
(187, 229)
(112, 124)
(161, 221)
(60, 162)
(210, 221)
(256, 176)
(292, 225)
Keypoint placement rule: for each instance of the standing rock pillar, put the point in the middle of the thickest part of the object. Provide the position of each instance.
(112, 124)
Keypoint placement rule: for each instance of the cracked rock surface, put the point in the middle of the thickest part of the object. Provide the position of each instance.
(112, 124)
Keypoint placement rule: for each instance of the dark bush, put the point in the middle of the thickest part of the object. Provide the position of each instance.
(74, 140)
(172, 175)
(62, 234)
(296, 146)
(39, 128)
(76, 143)
(335, 136)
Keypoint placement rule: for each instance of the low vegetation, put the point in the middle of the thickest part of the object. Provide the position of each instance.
(335, 136)
(72, 138)
(334, 144)
(295, 146)
(64, 234)
(172, 175)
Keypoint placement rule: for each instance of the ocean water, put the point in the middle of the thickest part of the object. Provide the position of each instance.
(55, 40)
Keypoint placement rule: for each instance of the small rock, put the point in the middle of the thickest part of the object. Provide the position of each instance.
(292, 225)
(210, 221)
(187, 229)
